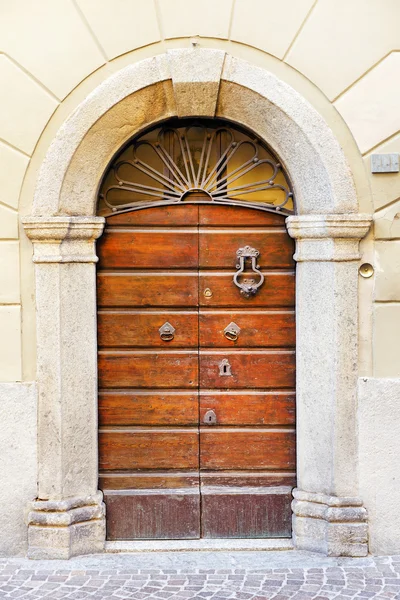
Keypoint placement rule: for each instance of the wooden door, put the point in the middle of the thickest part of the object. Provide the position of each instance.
(148, 389)
(247, 459)
(165, 469)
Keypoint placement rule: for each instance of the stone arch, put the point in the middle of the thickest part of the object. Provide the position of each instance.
(68, 518)
(184, 83)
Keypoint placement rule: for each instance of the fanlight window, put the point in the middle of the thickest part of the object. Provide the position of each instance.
(195, 161)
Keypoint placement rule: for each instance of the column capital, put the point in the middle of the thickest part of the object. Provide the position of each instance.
(63, 239)
(332, 237)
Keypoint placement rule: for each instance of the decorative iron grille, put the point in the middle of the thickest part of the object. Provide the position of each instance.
(195, 161)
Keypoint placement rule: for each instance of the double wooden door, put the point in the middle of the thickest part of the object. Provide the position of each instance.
(196, 381)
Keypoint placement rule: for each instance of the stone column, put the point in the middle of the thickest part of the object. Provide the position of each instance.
(328, 516)
(68, 517)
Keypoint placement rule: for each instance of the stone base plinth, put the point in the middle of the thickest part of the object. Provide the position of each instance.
(334, 526)
(66, 528)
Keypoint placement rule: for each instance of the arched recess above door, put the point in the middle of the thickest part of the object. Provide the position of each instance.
(195, 160)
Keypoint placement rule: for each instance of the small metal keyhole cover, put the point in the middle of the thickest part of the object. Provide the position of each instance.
(225, 368)
(207, 293)
(210, 418)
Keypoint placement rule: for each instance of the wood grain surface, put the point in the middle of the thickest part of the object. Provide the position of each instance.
(142, 407)
(249, 407)
(148, 448)
(140, 329)
(217, 248)
(247, 448)
(132, 289)
(141, 369)
(164, 472)
(257, 329)
(249, 369)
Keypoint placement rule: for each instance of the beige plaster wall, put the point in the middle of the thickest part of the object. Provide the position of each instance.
(18, 460)
(342, 56)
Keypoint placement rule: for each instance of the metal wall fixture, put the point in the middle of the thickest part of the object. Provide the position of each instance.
(231, 332)
(225, 368)
(210, 418)
(167, 332)
(248, 287)
(168, 164)
(366, 270)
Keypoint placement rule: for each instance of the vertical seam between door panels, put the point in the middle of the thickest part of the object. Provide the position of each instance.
(198, 369)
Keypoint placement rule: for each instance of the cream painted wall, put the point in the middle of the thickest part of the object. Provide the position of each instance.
(342, 55)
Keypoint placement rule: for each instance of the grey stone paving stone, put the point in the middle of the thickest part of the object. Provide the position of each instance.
(258, 579)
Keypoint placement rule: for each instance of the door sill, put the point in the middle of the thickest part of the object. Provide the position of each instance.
(215, 545)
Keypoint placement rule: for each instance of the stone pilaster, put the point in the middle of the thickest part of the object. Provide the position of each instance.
(328, 517)
(68, 517)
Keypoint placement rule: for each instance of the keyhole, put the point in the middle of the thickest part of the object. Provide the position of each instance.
(225, 368)
(210, 418)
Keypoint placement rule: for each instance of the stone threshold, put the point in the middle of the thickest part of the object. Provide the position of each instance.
(215, 545)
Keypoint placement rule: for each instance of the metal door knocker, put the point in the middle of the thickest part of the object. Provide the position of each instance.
(248, 287)
(167, 332)
(225, 368)
(231, 332)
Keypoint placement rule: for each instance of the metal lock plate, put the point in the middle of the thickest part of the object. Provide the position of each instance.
(231, 332)
(210, 418)
(225, 368)
(167, 332)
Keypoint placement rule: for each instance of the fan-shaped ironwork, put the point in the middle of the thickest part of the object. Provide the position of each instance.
(196, 162)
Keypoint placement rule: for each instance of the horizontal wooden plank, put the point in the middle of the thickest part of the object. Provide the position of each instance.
(142, 289)
(141, 329)
(252, 369)
(247, 479)
(257, 329)
(149, 480)
(148, 449)
(278, 290)
(138, 369)
(178, 214)
(250, 408)
(246, 515)
(235, 216)
(246, 448)
(153, 516)
(217, 248)
(148, 408)
(148, 249)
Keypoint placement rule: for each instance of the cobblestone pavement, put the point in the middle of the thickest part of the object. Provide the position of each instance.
(206, 576)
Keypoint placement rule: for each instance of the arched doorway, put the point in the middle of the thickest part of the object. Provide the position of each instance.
(196, 334)
(67, 519)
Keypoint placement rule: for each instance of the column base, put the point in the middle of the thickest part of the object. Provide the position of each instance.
(65, 528)
(334, 526)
